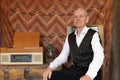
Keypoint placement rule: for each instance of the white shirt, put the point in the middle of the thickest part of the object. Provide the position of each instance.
(97, 57)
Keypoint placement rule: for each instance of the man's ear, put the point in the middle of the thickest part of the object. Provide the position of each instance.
(87, 19)
(72, 20)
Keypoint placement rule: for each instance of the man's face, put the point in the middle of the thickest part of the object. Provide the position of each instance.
(80, 18)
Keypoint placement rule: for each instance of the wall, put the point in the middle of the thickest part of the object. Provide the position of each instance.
(50, 18)
(0, 27)
(115, 54)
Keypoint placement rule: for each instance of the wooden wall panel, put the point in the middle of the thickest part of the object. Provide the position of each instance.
(50, 17)
(115, 54)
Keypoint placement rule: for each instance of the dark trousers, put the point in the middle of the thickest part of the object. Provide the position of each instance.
(72, 73)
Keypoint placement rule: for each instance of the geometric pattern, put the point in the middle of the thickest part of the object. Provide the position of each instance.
(51, 17)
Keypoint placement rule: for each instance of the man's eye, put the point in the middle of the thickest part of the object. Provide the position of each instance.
(81, 16)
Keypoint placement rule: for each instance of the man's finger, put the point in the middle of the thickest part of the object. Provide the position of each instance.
(50, 75)
(46, 76)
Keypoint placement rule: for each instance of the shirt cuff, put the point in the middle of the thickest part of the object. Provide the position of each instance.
(51, 66)
(91, 75)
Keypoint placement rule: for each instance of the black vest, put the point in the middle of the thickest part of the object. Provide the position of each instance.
(82, 55)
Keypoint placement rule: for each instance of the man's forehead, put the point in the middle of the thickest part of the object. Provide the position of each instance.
(80, 10)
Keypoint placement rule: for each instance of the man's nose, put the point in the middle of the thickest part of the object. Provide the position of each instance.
(78, 18)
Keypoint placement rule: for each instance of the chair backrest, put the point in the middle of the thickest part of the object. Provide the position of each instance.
(26, 39)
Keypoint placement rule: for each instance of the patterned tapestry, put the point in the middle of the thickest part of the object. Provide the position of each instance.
(51, 17)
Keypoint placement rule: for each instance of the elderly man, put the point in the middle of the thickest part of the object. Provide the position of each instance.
(86, 53)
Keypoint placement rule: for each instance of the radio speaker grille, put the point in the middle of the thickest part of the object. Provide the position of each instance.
(5, 58)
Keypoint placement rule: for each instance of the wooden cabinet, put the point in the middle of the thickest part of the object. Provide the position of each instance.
(26, 39)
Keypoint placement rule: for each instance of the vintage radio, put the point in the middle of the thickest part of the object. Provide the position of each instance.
(25, 56)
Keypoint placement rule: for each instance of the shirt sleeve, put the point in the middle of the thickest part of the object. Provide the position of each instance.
(62, 58)
(98, 57)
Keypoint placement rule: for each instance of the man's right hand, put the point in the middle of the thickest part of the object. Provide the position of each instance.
(47, 73)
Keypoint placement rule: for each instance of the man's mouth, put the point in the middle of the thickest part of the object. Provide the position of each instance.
(78, 22)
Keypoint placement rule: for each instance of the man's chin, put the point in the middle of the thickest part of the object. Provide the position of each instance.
(79, 26)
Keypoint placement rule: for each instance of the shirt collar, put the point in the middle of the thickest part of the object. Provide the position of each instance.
(84, 30)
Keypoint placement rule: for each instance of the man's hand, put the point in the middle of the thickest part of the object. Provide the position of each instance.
(85, 77)
(47, 73)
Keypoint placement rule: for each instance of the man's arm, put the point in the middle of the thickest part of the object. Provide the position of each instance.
(62, 58)
(98, 57)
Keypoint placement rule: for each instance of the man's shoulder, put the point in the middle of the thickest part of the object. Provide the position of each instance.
(92, 30)
(72, 33)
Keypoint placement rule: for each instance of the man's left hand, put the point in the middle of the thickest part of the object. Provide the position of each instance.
(85, 77)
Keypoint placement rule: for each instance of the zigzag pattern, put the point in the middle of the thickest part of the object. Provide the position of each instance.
(44, 15)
